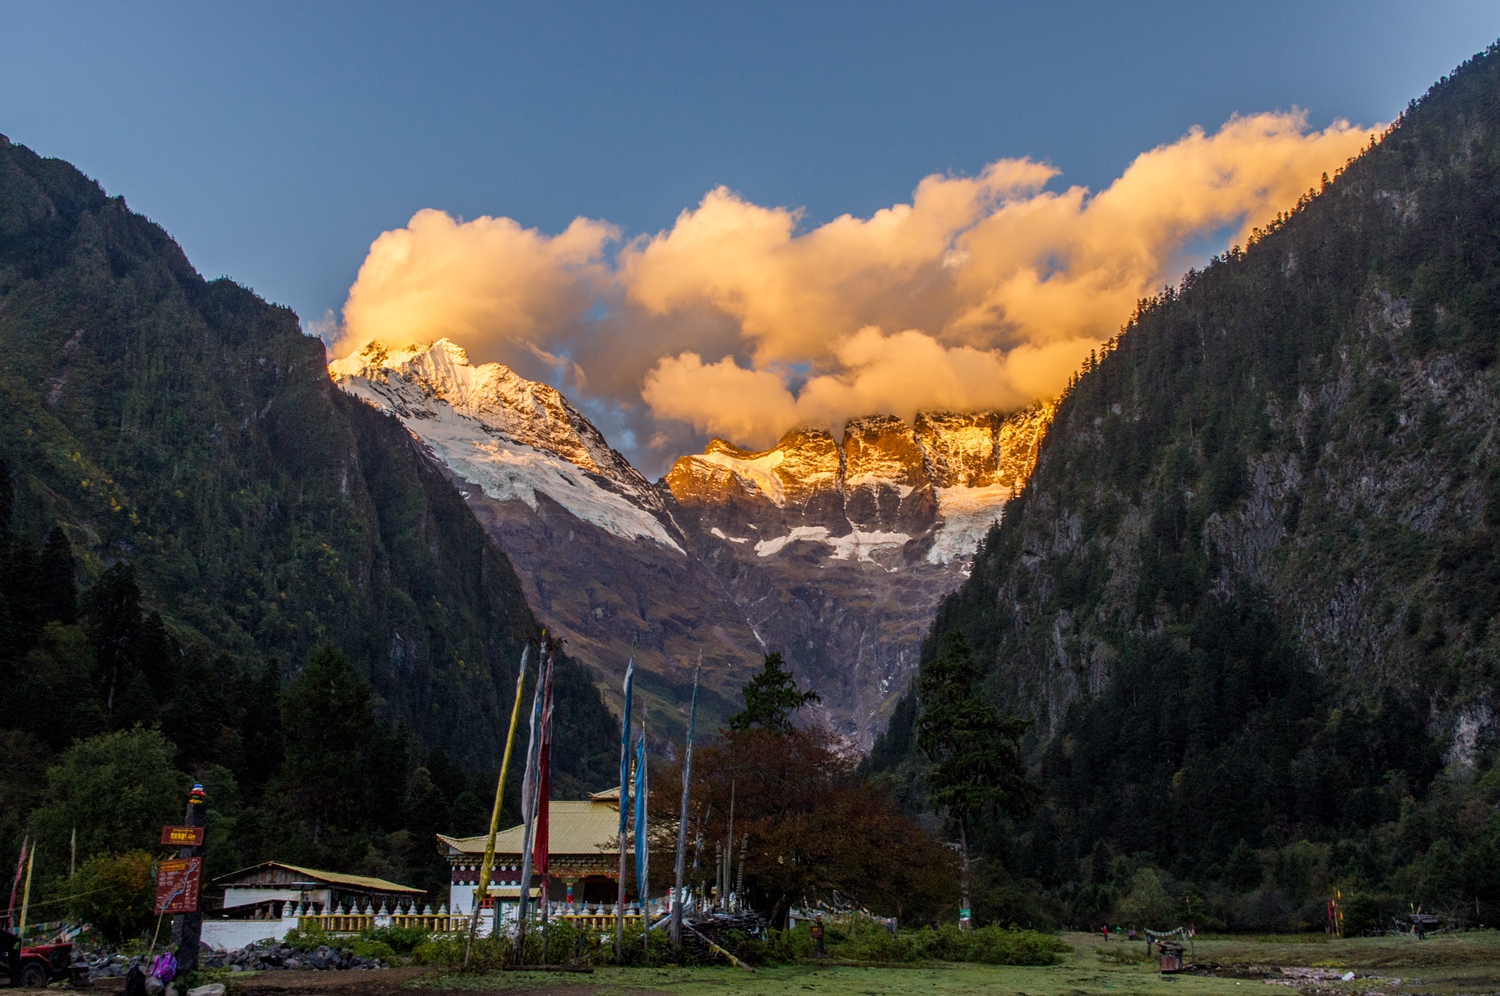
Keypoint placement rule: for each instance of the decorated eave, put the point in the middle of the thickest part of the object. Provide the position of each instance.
(581, 838)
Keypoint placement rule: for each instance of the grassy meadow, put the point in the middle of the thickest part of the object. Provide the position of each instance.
(1460, 963)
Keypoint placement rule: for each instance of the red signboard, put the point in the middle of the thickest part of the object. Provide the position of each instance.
(182, 836)
(177, 882)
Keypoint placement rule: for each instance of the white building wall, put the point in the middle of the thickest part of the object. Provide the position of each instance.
(243, 896)
(461, 898)
(230, 935)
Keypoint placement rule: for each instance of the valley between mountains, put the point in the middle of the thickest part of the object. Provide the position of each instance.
(834, 550)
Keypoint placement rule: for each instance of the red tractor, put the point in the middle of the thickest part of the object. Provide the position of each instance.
(40, 965)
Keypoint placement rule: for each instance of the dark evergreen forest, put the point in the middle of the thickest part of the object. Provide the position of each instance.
(1246, 601)
(216, 566)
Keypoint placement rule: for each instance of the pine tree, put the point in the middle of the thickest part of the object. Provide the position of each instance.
(329, 731)
(974, 749)
(1243, 871)
(57, 594)
(113, 610)
(770, 699)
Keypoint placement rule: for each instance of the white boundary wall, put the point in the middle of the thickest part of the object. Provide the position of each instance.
(230, 935)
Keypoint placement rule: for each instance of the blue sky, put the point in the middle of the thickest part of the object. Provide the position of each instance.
(275, 141)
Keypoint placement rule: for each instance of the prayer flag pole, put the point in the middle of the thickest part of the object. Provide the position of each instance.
(642, 843)
(15, 886)
(26, 894)
(488, 864)
(682, 819)
(542, 845)
(624, 812)
(529, 786)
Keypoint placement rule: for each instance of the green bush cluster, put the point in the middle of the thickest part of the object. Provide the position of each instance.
(856, 941)
(401, 940)
(385, 943)
(1123, 954)
(990, 945)
(308, 938)
(777, 947)
(873, 942)
(559, 944)
(363, 948)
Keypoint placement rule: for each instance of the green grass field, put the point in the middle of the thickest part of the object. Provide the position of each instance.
(1463, 963)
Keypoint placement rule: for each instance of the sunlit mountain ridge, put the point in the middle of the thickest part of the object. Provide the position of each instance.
(833, 550)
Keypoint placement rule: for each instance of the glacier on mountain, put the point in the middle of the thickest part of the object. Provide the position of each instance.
(967, 515)
(856, 543)
(512, 437)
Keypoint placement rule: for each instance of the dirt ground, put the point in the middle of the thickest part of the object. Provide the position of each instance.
(378, 982)
(374, 982)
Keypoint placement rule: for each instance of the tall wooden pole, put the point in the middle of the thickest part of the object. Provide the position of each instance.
(26, 893)
(642, 841)
(624, 810)
(488, 864)
(729, 847)
(529, 786)
(15, 886)
(966, 914)
(682, 818)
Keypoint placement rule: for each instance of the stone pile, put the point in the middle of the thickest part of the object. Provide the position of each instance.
(275, 957)
(265, 957)
(106, 965)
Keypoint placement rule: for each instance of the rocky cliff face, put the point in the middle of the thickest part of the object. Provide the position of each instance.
(888, 493)
(834, 550)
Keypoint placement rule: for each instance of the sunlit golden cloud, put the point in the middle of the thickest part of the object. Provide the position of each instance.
(474, 281)
(982, 292)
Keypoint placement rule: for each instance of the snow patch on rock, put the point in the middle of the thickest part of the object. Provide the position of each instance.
(967, 516)
(759, 471)
(856, 544)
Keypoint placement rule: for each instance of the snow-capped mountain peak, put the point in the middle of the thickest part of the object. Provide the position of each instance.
(515, 438)
(889, 492)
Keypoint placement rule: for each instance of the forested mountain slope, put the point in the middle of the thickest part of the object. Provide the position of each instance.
(1249, 591)
(189, 429)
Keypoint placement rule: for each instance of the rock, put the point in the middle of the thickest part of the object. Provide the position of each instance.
(212, 989)
(154, 986)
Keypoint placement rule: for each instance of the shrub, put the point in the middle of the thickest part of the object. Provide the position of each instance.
(1123, 954)
(115, 894)
(778, 947)
(883, 947)
(402, 940)
(1147, 904)
(949, 942)
(448, 952)
(1369, 912)
(997, 946)
(365, 948)
(561, 945)
(992, 945)
(309, 938)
